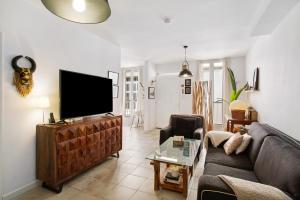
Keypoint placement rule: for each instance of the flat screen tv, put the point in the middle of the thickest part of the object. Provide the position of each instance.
(83, 95)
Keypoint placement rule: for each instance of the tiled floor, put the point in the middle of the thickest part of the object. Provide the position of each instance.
(128, 177)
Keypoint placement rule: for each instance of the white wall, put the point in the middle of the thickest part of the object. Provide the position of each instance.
(149, 74)
(54, 44)
(277, 56)
(238, 66)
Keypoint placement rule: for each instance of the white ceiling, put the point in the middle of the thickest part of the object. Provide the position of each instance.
(211, 28)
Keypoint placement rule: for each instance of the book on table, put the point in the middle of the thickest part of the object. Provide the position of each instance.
(172, 175)
(177, 182)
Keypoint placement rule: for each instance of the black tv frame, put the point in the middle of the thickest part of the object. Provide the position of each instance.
(63, 119)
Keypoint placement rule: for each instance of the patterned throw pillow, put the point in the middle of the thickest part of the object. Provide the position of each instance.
(245, 143)
(233, 143)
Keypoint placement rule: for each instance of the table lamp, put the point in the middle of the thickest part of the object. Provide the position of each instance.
(43, 103)
(238, 105)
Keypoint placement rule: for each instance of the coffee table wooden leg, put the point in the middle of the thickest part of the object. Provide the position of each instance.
(192, 170)
(156, 175)
(185, 174)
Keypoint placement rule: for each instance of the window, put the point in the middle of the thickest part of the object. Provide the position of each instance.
(205, 72)
(131, 91)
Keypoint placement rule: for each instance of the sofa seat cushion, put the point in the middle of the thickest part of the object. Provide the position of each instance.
(215, 169)
(218, 156)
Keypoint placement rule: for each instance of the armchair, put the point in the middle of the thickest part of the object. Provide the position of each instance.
(189, 126)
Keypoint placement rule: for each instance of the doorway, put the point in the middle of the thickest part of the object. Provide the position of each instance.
(133, 98)
(213, 71)
(168, 93)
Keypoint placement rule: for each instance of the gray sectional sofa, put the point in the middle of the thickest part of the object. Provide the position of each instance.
(272, 158)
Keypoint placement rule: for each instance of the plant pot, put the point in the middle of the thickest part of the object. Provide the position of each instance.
(238, 114)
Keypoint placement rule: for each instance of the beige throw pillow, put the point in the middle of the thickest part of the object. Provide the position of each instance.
(233, 143)
(245, 143)
(217, 137)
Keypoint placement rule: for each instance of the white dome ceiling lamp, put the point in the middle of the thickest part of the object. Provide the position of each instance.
(80, 11)
(185, 71)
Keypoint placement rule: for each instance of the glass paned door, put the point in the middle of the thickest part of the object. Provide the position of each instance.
(131, 92)
(127, 93)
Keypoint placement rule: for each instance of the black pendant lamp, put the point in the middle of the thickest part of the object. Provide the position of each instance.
(80, 11)
(185, 71)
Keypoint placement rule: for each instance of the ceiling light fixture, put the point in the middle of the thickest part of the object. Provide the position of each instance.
(185, 71)
(167, 20)
(80, 11)
(79, 5)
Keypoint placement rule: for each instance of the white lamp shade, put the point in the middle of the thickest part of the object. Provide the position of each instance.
(238, 105)
(43, 102)
(80, 11)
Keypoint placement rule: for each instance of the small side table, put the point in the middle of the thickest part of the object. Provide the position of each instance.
(231, 122)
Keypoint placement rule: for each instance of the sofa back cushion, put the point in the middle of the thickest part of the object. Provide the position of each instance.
(258, 134)
(185, 125)
(282, 135)
(278, 164)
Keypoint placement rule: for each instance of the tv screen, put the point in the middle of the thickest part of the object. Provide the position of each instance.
(82, 95)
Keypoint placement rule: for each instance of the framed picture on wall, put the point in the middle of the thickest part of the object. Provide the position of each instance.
(256, 79)
(151, 92)
(188, 90)
(114, 76)
(115, 91)
(188, 82)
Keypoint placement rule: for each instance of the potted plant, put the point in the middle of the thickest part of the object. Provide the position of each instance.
(237, 107)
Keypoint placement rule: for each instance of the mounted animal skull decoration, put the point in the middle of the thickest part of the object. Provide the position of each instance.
(23, 76)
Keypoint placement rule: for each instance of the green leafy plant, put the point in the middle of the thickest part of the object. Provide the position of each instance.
(235, 93)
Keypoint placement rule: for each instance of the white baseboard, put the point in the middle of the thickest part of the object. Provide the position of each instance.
(21, 190)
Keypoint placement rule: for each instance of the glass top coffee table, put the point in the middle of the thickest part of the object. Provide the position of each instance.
(170, 155)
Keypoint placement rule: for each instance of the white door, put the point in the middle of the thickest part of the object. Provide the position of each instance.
(131, 101)
(168, 91)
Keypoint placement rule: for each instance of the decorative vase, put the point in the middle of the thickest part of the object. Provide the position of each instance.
(238, 109)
